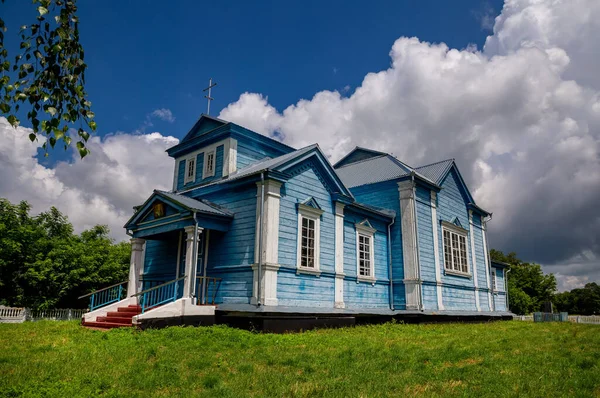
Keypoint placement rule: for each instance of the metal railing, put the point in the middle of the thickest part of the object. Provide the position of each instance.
(106, 296)
(161, 294)
(206, 289)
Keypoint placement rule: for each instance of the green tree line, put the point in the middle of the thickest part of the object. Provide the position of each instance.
(44, 264)
(529, 288)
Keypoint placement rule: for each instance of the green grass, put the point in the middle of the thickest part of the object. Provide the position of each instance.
(495, 359)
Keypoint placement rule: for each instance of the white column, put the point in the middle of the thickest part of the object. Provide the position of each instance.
(270, 243)
(487, 266)
(436, 251)
(191, 262)
(136, 266)
(229, 156)
(474, 261)
(411, 280)
(339, 256)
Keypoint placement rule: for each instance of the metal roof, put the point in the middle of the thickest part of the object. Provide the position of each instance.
(436, 171)
(267, 164)
(198, 205)
(370, 171)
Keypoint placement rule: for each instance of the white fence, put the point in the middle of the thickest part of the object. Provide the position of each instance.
(12, 315)
(18, 315)
(591, 319)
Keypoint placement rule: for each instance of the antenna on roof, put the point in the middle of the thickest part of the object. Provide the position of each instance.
(208, 97)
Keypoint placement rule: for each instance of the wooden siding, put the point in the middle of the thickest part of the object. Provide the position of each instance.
(219, 154)
(452, 203)
(249, 153)
(385, 195)
(160, 260)
(305, 290)
(231, 254)
(365, 294)
(425, 247)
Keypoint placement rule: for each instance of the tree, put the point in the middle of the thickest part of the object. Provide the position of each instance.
(583, 301)
(528, 286)
(44, 265)
(48, 74)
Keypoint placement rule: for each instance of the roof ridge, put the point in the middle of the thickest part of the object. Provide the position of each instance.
(362, 161)
(434, 163)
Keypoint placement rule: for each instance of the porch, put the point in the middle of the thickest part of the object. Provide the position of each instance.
(168, 267)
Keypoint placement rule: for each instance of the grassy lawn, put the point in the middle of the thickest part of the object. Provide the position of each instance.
(496, 359)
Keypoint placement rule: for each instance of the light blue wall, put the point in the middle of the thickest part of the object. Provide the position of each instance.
(219, 153)
(305, 290)
(480, 257)
(385, 195)
(231, 254)
(160, 259)
(426, 253)
(451, 203)
(250, 152)
(364, 294)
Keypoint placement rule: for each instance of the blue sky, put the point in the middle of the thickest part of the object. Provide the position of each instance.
(517, 106)
(152, 55)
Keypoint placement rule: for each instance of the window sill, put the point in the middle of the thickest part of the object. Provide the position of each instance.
(366, 279)
(456, 273)
(308, 271)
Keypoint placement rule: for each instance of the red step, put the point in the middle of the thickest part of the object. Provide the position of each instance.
(106, 325)
(115, 319)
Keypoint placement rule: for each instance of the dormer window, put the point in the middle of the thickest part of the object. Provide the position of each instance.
(190, 170)
(209, 164)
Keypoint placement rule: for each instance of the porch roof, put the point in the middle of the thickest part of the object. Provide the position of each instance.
(180, 213)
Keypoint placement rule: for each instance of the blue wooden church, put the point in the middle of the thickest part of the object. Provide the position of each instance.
(255, 229)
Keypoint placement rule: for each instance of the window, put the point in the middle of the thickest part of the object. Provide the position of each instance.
(455, 249)
(364, 255)
(307, 253)
(365, 259)
(190, 170)
(493, 273)
(309, 234)
(209, 164)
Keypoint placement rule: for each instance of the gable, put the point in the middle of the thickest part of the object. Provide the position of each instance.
(202, 126)
(453, 187)
(313, 158)
(454, 179)
(356, 155)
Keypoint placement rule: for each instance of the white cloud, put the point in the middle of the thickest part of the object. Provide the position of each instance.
(164, 114)
(522, 118)
(121, 171)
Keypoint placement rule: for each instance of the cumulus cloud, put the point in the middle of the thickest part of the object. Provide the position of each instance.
(164, 114)
(102, 188)
(521, 117)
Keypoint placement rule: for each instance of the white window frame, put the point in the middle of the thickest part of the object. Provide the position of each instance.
(461, 233)
(209, 172)
(187, 178)
(494, 279)
(368, 232)
(314, 214)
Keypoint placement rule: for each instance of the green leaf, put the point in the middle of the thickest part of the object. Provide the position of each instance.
(51, 110)
(52, 141)
(32, 137)
(12, 119)
(92, 125)
(42, 10)
(4, 107)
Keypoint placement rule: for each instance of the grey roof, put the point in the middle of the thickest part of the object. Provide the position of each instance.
(436, 171)
(267, 164)
(199, 205)
(373, 170)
